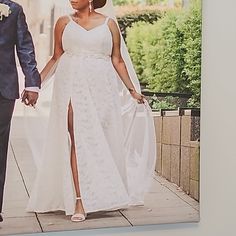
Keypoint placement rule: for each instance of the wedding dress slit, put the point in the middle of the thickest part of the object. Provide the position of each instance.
(73, 156)
(74, 163)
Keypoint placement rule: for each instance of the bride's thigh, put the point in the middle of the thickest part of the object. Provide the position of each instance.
(70, 121)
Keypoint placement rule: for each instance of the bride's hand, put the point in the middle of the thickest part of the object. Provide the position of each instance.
(139, 97)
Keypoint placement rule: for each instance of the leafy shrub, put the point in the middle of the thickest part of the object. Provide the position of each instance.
(136, 2)
(128, 20)
(191, 28)
(119, 2)
(157, 104)
(136, 45)
(165, 57)
(167, 53)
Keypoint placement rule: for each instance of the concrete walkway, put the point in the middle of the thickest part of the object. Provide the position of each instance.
(165, 203)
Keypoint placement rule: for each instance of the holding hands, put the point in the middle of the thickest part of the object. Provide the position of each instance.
(29, 98)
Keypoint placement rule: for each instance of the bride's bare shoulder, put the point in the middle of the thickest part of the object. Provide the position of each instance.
(62, 21)
(112, 24)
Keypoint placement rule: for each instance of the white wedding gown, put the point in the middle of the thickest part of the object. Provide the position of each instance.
(115, 159)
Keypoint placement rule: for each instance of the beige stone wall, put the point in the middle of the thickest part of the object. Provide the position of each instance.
(178, 156)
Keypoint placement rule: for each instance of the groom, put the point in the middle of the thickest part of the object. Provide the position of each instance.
(14, 34)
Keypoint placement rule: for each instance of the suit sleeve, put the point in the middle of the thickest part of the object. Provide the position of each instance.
(26, 53)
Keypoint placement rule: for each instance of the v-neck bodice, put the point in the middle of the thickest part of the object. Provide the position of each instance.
(79, 41)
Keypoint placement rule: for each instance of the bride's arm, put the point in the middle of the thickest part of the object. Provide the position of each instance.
(119, 63)
(58, 50)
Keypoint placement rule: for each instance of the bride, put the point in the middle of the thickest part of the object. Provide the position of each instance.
(99, 151)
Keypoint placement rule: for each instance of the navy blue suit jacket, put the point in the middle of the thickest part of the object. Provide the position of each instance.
(14, 34)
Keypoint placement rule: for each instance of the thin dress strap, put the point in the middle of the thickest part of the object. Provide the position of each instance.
(107, 19)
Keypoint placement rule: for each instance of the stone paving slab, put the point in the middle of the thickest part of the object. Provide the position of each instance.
(15, 196)
(19, 225)
(94, 220)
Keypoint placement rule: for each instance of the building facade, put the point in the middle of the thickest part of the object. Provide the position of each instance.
(41, 17)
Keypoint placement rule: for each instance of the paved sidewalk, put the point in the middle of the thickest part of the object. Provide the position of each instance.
(165, 203)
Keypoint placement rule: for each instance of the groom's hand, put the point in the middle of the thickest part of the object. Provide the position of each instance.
(29, 98)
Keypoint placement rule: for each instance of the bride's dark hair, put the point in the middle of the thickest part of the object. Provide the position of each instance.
(99, 3)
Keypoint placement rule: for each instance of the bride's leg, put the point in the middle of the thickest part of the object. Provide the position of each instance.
(79, 206)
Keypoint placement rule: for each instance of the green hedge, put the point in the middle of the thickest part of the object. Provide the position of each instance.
(145, 2)
(191, 26)
(167, 54)
(128, 20)
(137, 42)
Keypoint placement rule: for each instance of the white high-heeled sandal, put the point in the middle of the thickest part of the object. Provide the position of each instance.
(78, 217)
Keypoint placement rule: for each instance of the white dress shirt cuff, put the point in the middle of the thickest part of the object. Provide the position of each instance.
(32, 89)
